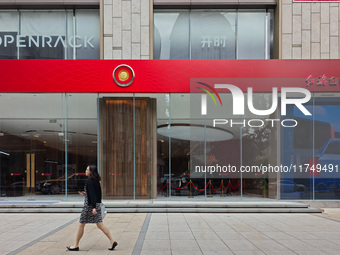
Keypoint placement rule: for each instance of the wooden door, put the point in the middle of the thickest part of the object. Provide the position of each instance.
(126, 146)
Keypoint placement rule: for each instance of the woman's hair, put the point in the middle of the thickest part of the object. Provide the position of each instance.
(94, 173)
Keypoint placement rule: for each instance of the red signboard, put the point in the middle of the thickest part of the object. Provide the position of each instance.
(165, 76)
(316, 0)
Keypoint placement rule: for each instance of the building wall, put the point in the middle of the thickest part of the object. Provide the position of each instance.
(310, 30)
(126, 29)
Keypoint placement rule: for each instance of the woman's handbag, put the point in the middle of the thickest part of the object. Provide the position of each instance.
(103, 210)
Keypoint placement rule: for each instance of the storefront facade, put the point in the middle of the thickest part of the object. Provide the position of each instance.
(132, 86)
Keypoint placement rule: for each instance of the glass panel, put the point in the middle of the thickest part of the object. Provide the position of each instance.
(179, 133)
(296, 150)
(69, 53)
(42, 40)
(212, 35)
(31, 142)
(252, 27)
(163, 149)
(50, 34)
(259, 149)
(171, 35)
(326, 159)
(215, 157)
(82, 126)
(88, 28)
(8, 32)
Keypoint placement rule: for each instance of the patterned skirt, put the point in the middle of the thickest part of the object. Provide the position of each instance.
(87, 216)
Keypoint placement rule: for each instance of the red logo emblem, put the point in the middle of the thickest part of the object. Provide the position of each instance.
(123, 75)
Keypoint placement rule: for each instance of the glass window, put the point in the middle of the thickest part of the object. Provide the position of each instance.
(43, 139)
(212, 34)
(50, 34)
(87, 27)
(42, 40)
(8, 31)
(296, 150)
(31, 142)
(313, 146)
(171, 35)
(253, 34)
(325, 163)
(259, 149)
(333, 148)
(81, 139)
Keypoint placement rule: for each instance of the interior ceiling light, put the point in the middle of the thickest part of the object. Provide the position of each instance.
(193, 132)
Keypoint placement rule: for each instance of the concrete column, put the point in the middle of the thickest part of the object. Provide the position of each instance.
(310, 30)
(126, 29)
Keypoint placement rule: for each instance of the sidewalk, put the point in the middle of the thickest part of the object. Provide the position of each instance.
(176, 233)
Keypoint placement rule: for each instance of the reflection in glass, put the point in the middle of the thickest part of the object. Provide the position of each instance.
(252, 27)
(325, 162)
(212, 34)
(82, 132)
(171, 35)
(43, 40)
(87, 27)
(297, 149)
(9, 28)
(49, 34)
(31, 141)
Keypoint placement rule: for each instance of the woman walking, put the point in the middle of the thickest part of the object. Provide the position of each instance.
(91, 212)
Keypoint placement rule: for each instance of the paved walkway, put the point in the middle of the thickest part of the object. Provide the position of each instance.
(176, 233)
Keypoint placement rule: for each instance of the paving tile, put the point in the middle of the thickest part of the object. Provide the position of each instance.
(331, 235)
(230, 235)
(218, 253)
(313, 253)
(184, 245)
(279, 235)
(160, 245)
(256, 252)
(297, 245)
(176, 252)
(181, 235)
(302, 235)
(212, 245)
(280, 253)
(155, 252)
(93, 241)
(157, 235)
(254, 235)
(269, 245)
(324, 245)
(205, 235)
(240, 245)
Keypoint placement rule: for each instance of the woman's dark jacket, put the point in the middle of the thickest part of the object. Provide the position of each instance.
(94, 192)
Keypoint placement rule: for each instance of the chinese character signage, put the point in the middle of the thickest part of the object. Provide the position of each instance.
(322, 81)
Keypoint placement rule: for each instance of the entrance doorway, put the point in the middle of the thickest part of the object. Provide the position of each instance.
(128, 147)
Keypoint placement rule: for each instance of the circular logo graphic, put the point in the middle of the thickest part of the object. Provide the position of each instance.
(123, 75)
